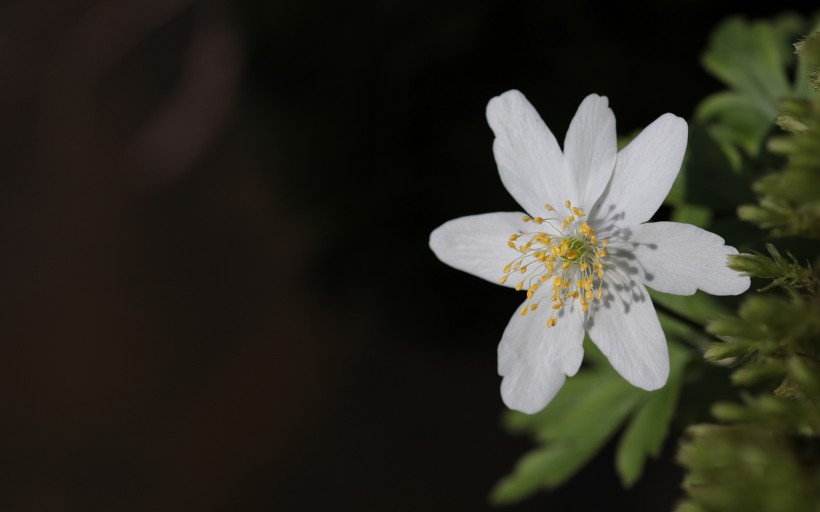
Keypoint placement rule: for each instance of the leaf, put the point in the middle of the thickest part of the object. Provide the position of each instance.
(572, 434)
(749, 58)
(646, 431)
(714, 173)
(734, 119)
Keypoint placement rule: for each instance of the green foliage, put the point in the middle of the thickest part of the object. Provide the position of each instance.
(790, 199)
(749, 57)
(582, 418)
(765, 453)
(754, 151)
(748, 468)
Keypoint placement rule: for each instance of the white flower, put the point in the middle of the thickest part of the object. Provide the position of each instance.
(583, 253)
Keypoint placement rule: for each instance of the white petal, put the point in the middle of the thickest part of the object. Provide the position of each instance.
(680, 258)
(644, 173)
(534, 359)
(626, 329)
(590, 148)
(477, 244)
(529, 160)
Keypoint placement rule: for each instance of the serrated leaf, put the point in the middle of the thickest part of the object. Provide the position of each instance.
(646, 431)
(749, 58)
(571, 438)
(734, 119)
(714, 172)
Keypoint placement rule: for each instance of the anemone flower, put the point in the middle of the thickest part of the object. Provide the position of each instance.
(583, 252)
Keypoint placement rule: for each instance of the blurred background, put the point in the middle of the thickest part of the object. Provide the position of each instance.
(216, 287)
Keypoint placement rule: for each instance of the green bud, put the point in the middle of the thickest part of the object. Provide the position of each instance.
(755, 265)
(729, 412)
(733, 347)
(753, 373)
(790, 123)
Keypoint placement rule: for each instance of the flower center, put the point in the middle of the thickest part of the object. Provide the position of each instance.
(568, 252)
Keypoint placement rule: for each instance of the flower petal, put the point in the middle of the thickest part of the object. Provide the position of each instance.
(529, 160)
(534, 359)
(680, 258)
(477, 244)
(644, 173)
(590, 148)
(626, 329)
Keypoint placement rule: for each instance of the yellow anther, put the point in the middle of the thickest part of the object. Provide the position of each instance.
(519, 286)
(585, 307)
(593, 240)
(588, 294)
(600, 274)
(556, 282)
(529, 294)
(551, 322)
(557, 306)
(523, 269)
(575, 294)
(524, 312)
(554, 249)
(502, 280)
(599, 294)
(517, 265)
(584, 266)
(566, 284)
(544, 278)
(514, 237)
(577, 212)
(569, 205)
(605, 242)
(511, 244)
(565, 265)
(526, 218)
(539, 220)
(572, 254)
(533, 307)
(507, 268)
(549, 207)
(570, 219)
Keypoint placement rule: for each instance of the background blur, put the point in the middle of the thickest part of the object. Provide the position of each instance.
(216, 287)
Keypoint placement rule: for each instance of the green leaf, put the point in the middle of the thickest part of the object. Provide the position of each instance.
(714, 173)
(646, 431)
(573, 428)
(749, 58)
(734, 120)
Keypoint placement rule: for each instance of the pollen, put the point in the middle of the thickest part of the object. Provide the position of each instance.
(562, 248)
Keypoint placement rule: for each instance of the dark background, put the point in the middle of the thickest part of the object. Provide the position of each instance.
(216, 287)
